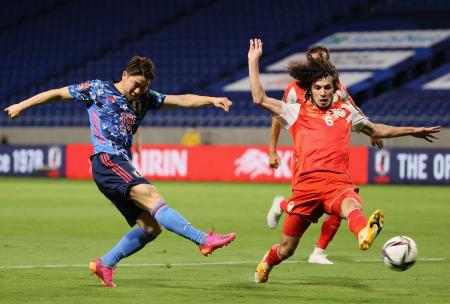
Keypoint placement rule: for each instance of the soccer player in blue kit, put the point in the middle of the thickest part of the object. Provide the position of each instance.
(115, 113)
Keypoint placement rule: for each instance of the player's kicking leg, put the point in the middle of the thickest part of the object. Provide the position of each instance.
(215, 241)
(147, 197)
(365, 230)
(373, 227)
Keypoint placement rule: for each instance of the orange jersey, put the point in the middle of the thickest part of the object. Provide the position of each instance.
(294, 94)
(321, 137)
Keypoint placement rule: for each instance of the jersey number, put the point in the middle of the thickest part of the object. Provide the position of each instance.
(127, 121)
(329, 121)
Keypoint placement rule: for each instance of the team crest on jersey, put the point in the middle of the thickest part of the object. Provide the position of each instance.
(340, 95)
(339, 113)
(290, 206)
(137, 173)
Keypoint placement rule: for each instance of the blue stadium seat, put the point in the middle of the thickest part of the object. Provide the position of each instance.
(193, 43)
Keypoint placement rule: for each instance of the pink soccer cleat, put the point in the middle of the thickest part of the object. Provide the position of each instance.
(104, 274)
(215, 241)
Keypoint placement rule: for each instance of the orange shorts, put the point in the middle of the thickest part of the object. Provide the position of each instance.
(295, 225)
(320, 192)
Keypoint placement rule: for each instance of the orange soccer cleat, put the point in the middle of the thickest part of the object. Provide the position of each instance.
(373, 228)
(262, 270)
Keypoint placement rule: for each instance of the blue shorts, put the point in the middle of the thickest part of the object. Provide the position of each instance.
(115, 176)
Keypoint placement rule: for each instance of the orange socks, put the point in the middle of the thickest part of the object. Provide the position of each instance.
(329, 228)
(273, 258)
(356, 221)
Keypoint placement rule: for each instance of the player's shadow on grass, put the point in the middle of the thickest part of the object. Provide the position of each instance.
(327, 282)
(248, 285)
(305, 281)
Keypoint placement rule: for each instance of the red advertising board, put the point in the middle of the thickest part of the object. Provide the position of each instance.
(78, 164)
(209, 163)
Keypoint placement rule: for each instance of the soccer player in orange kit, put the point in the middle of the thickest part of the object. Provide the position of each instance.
(295, 94)
(320, 130)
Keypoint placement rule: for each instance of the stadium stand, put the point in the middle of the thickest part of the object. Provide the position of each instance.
(11, 17)
(422, 102)
(197, 45)
(411, 6)
(187, 52)
(76, 33)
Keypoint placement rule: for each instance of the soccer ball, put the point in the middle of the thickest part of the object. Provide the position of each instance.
(400, 253)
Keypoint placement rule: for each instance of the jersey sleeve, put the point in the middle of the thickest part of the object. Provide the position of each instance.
(345, 95)
(154, 100)
(290, 94)
(286, 93)
(289, 114)
(83, 91)
(356, 118)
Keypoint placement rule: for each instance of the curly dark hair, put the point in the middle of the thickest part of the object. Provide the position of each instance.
(307, 72)
(321, 50)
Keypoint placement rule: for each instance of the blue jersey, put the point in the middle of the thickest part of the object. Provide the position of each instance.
(113, 118)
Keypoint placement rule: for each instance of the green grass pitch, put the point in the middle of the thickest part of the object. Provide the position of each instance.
(51, 229)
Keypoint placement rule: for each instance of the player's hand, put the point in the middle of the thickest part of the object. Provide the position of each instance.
(222, 102)
(14, 111)
(427, 133)
(377, 142)
(256, 49)
(274, 160)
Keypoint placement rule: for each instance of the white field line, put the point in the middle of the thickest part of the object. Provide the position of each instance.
(193, 264)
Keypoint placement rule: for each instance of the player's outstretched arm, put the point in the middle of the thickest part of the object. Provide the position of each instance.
(259, 95)
(374, 141)
(15, 110)
(195, 101)
(274, 158)
(386, 131)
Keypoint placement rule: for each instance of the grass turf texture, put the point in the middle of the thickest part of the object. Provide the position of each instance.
(60, 222)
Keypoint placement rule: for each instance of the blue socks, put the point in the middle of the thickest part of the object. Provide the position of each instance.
(173, 221)
(137, 238)
(132, 242)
